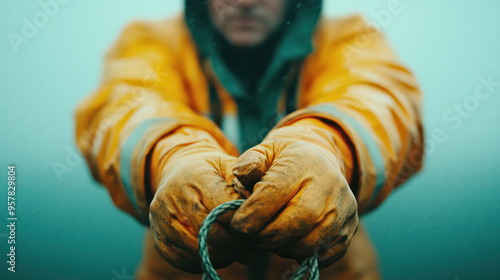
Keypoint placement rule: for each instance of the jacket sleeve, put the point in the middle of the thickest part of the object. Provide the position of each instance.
(142, 98)
(372, 105)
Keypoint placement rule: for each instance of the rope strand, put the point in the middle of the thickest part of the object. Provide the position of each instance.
(209, 273)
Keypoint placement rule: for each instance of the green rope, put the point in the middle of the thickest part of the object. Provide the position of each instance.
(209, 273)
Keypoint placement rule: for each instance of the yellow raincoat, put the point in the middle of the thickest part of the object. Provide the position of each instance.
(156, 81)
(153, 83)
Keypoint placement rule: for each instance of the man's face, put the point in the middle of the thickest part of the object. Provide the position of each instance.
(246, 23)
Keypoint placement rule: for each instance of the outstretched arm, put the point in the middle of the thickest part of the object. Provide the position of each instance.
(357, 136)
(143, 98)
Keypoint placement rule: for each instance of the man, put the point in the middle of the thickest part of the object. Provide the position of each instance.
(326, 117)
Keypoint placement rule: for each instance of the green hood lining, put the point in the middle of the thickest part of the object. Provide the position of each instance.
(256, 110)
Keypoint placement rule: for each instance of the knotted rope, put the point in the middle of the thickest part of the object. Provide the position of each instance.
(209, 273)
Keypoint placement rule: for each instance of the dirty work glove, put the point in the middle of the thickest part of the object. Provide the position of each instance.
(191, 175)
(300, 202)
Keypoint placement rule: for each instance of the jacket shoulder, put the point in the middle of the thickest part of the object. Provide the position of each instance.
(338, 29)
(171, 33)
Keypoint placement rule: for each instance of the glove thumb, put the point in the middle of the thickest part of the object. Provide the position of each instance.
(252, 165)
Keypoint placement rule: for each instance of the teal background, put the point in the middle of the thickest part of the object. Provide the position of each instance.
(444, 224)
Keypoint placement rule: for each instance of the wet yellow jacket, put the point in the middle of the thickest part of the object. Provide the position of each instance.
(154, 83)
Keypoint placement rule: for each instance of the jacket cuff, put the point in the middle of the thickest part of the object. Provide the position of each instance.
(137, 150)
(368, 165)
